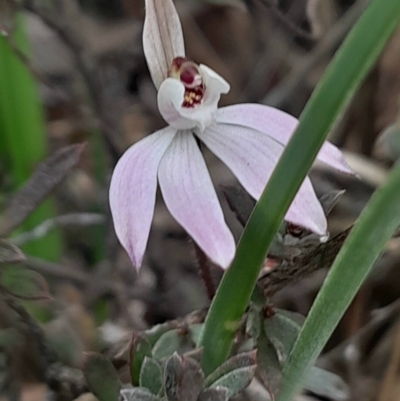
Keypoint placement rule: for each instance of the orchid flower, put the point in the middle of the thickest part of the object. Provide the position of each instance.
(248, 138)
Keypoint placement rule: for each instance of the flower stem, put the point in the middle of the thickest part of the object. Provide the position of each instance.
(344, 75)
(205, 271)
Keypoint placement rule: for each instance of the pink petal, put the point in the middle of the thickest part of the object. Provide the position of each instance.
(280, 126)
(171, 95)
(162, 38)
(190, 197)
(133, 191)
(252, 157)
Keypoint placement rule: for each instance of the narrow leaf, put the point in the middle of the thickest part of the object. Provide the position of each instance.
(43, 181)
(176, 341)
(352, 62)
(139, 349)
(282, 331)
(192, 381)
(173, 373)
(9, 253)
(237, 380)
(326, 384)
(374, 228)
(269, 366)
(246, 359)
(25, 284)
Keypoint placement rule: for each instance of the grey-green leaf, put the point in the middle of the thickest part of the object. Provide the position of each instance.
(140, 348)
(101, 377)
(253, 323)
(326, 384)
(151, 375)
(237, 380)
(174, 341)
(214, 394)
(282, 330)
(269, 367)
(173, 372)
(138, 394)
(245, 359)
(192, 381)
(154, 334)
(183, 379)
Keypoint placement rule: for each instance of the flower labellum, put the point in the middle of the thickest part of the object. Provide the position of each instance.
(248, 138)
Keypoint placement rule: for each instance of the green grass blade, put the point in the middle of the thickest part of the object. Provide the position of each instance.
(374, 228)
(23, 135)
(346, 72)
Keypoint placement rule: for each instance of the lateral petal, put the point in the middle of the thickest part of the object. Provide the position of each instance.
(133, 192)
(280, 126)
(252, 157)
(162, 38)
(190, 197)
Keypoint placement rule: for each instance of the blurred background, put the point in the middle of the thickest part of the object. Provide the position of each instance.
(73, 72)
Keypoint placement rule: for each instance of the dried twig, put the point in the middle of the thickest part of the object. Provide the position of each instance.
(67, 220)
(289, 271)
(88, 69)
(323, 48)
(287, 23)
(296, 257)
(57, 271)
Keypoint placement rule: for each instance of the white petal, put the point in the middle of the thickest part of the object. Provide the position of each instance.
(133, 191)
(171, 96)
(280, 126)
(252, 157)
(216, 84)
(190, 197)
(162, 38)
(170, 99)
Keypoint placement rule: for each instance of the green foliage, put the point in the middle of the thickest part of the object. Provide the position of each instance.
(23, 134)
(176, 340)
(176, 378)
(374, 228)
(151, 376)
(101, 377)
(140, 349)
(353, 60)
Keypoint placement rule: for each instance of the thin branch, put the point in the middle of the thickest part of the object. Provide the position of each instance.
(67, 220)
(57, 271)
(66, 381)
(323, 48)
(286, 22)
(89, 74)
